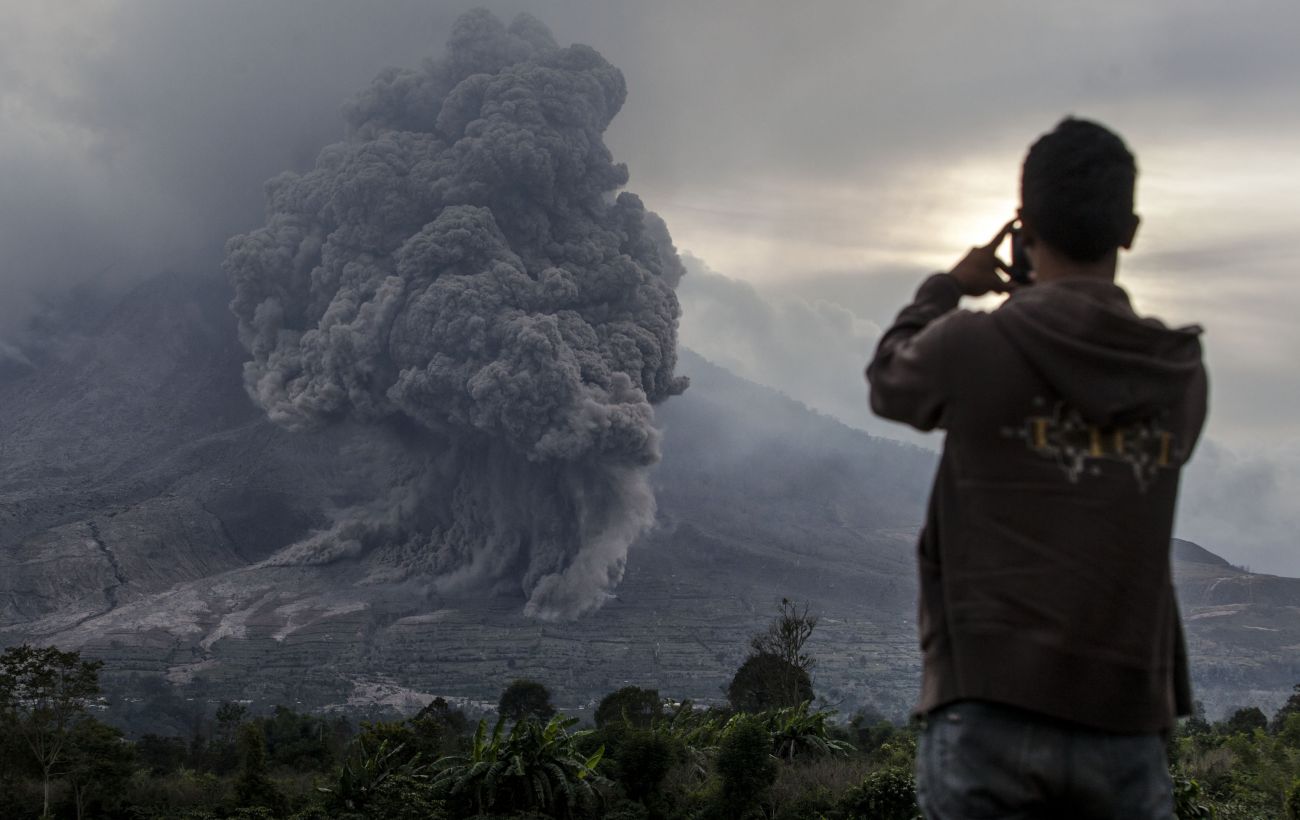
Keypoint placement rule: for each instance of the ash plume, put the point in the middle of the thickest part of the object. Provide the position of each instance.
(462, 270)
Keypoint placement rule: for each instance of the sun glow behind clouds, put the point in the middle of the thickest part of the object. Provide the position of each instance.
(1217, 246)
(1201, 201)
(776, 229)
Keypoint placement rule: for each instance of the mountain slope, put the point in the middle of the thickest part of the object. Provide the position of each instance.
(143, 501)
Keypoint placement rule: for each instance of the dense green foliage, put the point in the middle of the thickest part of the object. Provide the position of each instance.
(646, 759)
(641, 760)
(254, 788)
(766, 681)
(533, 767)
(1246, 766)
(885, 794)
(746, 768)
(797, 732)
(373, 775)
(97, 766)
(44, 694)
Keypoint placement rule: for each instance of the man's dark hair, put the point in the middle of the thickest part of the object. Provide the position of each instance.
(1076, 189)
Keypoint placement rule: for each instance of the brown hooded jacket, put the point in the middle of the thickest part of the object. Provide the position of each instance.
(1044, 560)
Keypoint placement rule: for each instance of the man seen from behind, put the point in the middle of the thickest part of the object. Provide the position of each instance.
(1053, 658)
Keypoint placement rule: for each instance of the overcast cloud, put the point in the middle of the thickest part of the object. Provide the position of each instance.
(820, 157)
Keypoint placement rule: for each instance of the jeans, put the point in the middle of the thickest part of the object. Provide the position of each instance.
(982, 760)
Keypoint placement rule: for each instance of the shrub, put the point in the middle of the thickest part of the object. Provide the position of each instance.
(302, 742)
(644, 760)
(1188, 801)
(1292, 804)
(364, 778)
(746, 767)
(812, 787)
(886, 794)
(696, 730)
(899, 752)
(402, 796)
(870, 730)
(533, 768)
(797, 732)
(627, 810)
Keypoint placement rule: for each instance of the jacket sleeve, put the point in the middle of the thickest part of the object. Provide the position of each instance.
(908, 375)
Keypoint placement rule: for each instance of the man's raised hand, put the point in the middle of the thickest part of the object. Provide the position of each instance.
(977, 272)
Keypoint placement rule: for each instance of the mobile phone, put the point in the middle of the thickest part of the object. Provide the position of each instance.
(1020, 265)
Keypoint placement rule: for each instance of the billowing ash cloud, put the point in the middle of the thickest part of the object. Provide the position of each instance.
(462, 262)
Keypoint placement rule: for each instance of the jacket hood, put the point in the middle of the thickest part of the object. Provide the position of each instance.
(1113, 366)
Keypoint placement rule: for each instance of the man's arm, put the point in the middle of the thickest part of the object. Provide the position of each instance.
(908, 375)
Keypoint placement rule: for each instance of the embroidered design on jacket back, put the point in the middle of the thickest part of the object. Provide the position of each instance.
(1076, 445)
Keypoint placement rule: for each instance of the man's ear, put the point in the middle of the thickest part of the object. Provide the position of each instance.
(1127, 244)
(1027, 235)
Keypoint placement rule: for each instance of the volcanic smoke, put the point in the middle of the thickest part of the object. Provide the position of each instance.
(461, 269)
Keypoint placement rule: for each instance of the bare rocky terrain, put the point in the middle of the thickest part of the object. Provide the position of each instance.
(144, 505)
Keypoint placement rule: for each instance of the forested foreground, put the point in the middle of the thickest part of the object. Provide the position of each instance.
(767, 754)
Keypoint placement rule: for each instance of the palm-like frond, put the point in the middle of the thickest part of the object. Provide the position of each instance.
(533, 766)
(797, 730)
(365, 769)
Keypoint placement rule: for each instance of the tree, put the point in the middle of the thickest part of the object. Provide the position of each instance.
(631, 704)
(1291, 707)
(787, 635)
(43, 694)
(1289, 734)
(99, 762)
(526, 698)
(1245, 721)
(229, 716)
(1196, 724)
(220, 753)
(301, 742)
(438, 712)
(14, 768)
(253, 786)
(766, 681)
(779, 669)
(439, 728)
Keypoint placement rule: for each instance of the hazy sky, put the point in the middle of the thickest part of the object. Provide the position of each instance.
(818, 158)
